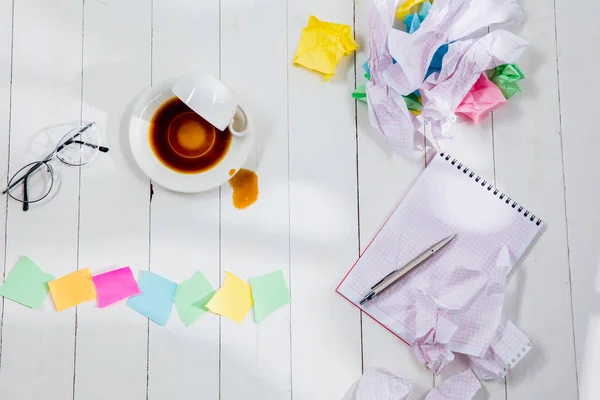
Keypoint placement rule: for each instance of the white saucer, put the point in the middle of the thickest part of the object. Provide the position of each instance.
(139, 126)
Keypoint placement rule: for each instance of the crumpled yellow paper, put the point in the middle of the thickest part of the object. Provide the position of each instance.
(322, 46)
(405, 8)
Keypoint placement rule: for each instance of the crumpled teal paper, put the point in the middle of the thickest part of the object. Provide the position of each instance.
(412, 22)
(506, 77)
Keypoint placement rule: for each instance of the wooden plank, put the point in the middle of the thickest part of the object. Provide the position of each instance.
(111, 343)
(184, 362)
(577, 55)
(326, 332)
(528, 166)
(255, 359)
(383, 179)
(46, 92)
(473, 145)
(6, 15)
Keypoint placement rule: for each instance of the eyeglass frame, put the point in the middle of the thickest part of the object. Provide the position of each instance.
(45, 161)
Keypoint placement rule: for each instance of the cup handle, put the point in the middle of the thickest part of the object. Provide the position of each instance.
(242, 111)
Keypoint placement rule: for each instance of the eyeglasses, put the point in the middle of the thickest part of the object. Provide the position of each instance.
(35, 181)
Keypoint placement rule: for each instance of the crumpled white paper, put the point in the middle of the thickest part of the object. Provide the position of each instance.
(379, 384)
(509, 345)
(447, 22)
(463, 64)
(460, 314)
(461, 386)
(387, 110)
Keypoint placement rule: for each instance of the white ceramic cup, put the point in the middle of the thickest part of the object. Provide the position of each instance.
(214, 102)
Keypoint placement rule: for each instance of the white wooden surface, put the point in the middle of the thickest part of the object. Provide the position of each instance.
(326, 181)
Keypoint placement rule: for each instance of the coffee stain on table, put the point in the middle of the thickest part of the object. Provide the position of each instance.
(232, 172)
(245, 188)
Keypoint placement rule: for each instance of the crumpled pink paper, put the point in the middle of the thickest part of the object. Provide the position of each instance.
(483, 98)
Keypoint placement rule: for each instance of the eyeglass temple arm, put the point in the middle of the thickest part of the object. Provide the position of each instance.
(93, 146)
(25, 194)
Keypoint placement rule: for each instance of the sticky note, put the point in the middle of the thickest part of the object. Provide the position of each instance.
(114, 286)
(26, 284)
(269, 292)
(155, 301)
(233, 300)
(191, 297)
(322, 46)
(73, 289)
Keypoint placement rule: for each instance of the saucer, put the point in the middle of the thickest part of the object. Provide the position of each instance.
(139, 128)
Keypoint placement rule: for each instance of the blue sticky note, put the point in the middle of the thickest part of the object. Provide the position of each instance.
(436, 61)
(366, 67)
(424, 10)
(155, 301)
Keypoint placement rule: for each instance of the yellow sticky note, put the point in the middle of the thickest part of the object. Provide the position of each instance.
(406, 8)
(233, 300)
(73, 289)
(323, 44)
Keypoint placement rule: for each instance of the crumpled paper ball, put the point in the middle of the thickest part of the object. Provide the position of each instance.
(323, 44)
(483, 98)
(506, 77)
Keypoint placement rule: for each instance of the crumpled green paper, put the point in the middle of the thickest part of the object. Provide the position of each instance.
(506, 77)
(360, 93)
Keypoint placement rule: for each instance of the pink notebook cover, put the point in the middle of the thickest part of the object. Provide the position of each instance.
(447, 198)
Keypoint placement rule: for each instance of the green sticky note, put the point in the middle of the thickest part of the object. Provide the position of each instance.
(191, 297)
(269, 292)
(26, 284)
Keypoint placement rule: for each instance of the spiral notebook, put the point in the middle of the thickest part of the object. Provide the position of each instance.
(447, 198)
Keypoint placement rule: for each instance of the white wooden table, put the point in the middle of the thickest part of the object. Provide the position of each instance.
(326, 184)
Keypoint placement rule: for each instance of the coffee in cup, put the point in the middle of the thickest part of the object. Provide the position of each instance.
(184, 141)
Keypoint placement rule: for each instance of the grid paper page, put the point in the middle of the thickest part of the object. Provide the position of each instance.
(444, 200)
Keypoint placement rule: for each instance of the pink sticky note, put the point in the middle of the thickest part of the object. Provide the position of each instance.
(115, 285)
(483, 98)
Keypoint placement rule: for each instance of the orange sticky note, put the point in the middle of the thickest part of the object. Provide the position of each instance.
(73, 289)
(233, 300)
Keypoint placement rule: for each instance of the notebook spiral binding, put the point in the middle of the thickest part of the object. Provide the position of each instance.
(491, 188)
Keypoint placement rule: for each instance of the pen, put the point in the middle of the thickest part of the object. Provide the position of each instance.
(395, 276)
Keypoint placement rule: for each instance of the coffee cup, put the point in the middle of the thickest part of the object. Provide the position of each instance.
(208, 97)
